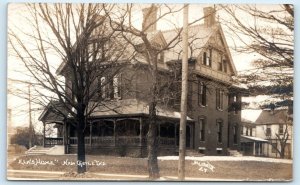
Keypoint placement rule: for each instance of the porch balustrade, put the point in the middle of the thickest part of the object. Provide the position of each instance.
(122, 140)
(52, 141)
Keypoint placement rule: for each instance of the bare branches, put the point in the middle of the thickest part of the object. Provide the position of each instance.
(268, 32)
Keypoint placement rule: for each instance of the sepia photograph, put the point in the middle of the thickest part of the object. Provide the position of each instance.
(150, 92)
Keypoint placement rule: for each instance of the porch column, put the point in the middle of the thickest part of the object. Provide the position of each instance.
(141, 128)
(65, 136)
(44, 131)
(115, 128)
(91, 130)
(254, 148)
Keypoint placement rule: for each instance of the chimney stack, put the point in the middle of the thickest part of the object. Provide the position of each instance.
(209, 16)
(149, 19)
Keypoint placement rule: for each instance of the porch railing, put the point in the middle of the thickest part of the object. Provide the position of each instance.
(122, 140)
(51, 141)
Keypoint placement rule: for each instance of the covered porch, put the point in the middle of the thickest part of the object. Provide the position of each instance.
(252, 146)
(120, 132)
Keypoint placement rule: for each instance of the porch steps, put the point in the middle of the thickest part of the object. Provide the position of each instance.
(37, 150)
(234, 153)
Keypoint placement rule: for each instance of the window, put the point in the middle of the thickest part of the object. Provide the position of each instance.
(274, 146)
(161, 57)
(201, 94)
(207, 56)
(219, 99)
(234, 98)
(247, 131)
(117, 86)
(220, 65)
(110, 88)
(235, 135)
(204, 58)
(224, 66)
(281, 129)
(268, 131)
(202, 129)
(219, 131)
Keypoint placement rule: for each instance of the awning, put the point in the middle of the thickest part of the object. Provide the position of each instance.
(247, 139)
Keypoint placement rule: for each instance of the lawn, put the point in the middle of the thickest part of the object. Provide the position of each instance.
(239, 170)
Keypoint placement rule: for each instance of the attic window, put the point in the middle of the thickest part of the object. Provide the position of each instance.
(206, 60)
(225, 66)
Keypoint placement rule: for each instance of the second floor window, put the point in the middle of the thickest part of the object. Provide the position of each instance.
(201, 94)
(281, 129)
(110, 87)
(268, 131)
(219, 99)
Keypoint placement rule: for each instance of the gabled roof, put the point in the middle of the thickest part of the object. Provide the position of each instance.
(268, 116)
(198, 37)
(265, 116)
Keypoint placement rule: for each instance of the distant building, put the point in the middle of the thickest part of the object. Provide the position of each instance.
(269, 131)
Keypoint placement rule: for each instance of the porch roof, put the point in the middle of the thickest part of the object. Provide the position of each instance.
(247, 139)
(133, 107)
(115, 108)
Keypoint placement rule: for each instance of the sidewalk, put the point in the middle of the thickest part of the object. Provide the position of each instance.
(50, 175)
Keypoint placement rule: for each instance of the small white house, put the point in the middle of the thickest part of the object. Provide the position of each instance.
(266, 132)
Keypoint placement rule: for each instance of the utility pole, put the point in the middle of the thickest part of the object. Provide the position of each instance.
(30, 119)
(184, 91)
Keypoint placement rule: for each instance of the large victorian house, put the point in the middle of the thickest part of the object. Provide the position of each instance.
(121, 126)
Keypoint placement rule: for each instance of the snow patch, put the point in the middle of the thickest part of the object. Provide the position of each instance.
(228, 158)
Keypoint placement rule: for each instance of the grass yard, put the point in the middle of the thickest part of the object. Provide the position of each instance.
(239, 170)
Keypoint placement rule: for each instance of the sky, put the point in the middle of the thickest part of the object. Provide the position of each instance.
(17, 15)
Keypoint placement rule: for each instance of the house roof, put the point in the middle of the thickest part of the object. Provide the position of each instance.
(133, 107)
(117, 108)
(246, 139)
(53, 112)
(265, 116)
(277, 116)
(250, 115)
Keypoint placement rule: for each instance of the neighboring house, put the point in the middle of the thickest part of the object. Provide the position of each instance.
(250, 144)
(274, 126)
(214, 116)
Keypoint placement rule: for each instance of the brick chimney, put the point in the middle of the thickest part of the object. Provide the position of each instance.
(209, 16)
(149, 19)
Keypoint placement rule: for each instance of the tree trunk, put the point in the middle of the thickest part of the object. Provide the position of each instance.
(81, 167)
(282, 152)
(152, 143)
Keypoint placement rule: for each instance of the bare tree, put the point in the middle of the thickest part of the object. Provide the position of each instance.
(149, 50)
(267, 32)
(76, 35)
(281, 140)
